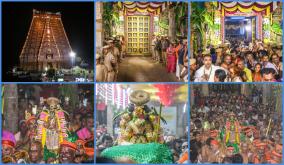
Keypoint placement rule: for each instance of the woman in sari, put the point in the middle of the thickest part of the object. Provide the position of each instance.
(171, 59)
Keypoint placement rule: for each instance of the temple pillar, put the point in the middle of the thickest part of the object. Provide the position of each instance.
(205, 89)
(222, 29)
(181, 120)
(99, 26)
(11, 113)
(245, 89)
(109, 120)
(191, 95)
(265, 93)
(279, 101)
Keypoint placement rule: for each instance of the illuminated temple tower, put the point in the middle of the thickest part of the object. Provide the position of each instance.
(46, 45)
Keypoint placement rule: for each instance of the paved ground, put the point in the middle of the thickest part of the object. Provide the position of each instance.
(143, 69)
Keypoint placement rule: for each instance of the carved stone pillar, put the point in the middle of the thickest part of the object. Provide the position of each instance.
(10, 111)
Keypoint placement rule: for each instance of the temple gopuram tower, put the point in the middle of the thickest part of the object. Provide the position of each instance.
(46, 45)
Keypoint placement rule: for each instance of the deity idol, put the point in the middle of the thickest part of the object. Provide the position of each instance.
(232, 132)
(139, 123)
(52, 127)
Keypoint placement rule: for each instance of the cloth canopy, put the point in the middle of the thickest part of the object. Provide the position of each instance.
(151, 7)
(246, 7)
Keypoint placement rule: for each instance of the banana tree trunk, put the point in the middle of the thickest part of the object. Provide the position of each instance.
(172, 24)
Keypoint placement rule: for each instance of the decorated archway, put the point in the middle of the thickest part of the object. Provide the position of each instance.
(261, 11)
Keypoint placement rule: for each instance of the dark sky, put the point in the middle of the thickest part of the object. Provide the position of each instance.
(77, 18)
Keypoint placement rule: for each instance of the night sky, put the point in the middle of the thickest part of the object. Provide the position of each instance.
(77, 18)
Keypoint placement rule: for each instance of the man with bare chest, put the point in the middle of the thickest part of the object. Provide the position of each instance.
(211, 153)
(246, 153)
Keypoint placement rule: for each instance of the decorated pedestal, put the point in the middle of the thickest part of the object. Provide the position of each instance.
(141, 153)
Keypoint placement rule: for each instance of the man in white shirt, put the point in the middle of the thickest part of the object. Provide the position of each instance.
(207, 71)
(203, 109)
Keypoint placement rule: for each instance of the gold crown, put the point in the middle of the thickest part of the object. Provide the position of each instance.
(52, 101)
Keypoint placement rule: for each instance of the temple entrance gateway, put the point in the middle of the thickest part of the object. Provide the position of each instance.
(138, 35)
(240, 27)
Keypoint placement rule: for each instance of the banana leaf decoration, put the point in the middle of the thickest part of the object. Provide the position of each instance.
(243, 137)
(119, 114)
(156, 114)
(163, 24)
(276, 28)
(222, 134)
(130, 108)
(72, 137)
(235, 145)
(48, 154)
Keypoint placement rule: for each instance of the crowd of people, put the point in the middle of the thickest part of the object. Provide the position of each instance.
(172, 54)
(234, 128)
(49, 134)
(178, 146)
(238, 61)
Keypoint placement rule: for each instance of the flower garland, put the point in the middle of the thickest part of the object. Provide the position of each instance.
(237, 137)
(61, 123)
(41, 130)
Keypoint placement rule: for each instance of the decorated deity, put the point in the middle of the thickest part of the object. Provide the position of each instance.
(141, 136)
(139, 123)
(52, 129)
(232, 133)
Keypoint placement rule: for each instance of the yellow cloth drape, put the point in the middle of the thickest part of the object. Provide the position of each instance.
(148, 9)
(43, 138)
(245, 10)
(59, 128)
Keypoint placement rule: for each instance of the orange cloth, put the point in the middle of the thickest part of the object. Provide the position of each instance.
(8, 143)
(260, 144)
(256, 160)
(276, 154)
(267, 156)
(176, 50)
(183, 158)
(214, 142)
(69, 144)
(257, 77)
